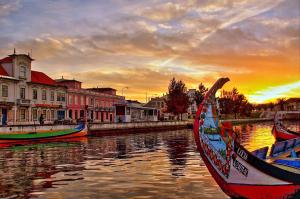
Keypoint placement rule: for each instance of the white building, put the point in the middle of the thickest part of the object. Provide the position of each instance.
(27, 94)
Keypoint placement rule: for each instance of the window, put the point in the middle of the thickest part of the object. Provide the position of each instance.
(22, 93)
(127, 111)
(61, 97)
(91, 101)
(44, 95)
(44, 114)
(22, 114)
(52, 96)
(4, 91)
(82, 100)
(22, 71)
(34, 114)
(76, 114)
(76, 100)
(34, 94)
(52, 115)
(48, 115)
(70, 99)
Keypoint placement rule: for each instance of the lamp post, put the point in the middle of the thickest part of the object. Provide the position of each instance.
(123, 89)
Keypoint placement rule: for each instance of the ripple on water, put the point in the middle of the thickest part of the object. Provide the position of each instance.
(149, 165)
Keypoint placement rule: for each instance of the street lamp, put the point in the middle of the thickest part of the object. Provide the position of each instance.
(124, 88)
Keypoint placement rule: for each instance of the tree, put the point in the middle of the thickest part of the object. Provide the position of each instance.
(177, 99)
(199, 94)
(235, 103)
(281, 102)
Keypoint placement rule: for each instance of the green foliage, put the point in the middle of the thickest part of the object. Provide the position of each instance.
(235, 103)
(200, 93)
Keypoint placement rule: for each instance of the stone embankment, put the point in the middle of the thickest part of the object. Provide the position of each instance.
(136, 127)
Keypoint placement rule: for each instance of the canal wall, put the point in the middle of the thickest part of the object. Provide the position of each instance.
(118, 128)
(100, 129)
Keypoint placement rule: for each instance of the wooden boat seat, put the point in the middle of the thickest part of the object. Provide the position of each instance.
(261, 153)
(291, 162)
(283, 147)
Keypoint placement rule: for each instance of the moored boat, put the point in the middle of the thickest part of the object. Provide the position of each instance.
(16, 137)
(239, 172)
(280, 132)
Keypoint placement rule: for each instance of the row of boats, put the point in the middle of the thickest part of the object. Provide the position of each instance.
(239, 172)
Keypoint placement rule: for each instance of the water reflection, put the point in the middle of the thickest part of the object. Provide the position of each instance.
(177, 152)
(149, 165)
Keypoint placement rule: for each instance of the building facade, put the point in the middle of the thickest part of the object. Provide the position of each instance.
(192, 109)
(92, 104)
(26, 95)
(134, 111)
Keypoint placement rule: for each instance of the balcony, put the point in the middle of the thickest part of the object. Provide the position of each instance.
(109, 109)
(23, 102)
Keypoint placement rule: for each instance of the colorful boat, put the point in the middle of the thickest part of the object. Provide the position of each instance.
(17, 137)
(280, 132)
(238, 172)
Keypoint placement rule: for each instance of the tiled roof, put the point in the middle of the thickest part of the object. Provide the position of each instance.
(3, 71)
(6, 60)
(41, 78)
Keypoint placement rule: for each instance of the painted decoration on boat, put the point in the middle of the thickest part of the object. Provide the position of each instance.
(238, 172)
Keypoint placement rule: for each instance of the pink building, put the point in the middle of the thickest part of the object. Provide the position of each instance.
(94, 104)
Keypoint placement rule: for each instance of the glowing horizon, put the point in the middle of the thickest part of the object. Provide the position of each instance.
(144, 44)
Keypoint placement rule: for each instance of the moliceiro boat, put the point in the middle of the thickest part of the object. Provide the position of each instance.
(238, 172)
(38, 135)
(280, 132)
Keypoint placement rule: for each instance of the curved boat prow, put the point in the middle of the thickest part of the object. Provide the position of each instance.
(238, 172)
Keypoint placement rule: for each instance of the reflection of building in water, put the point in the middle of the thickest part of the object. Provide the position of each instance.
(177, 151)
(33, 168)
(20, 166)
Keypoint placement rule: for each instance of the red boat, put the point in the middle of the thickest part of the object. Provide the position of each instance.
(238, 172)
(280, 132)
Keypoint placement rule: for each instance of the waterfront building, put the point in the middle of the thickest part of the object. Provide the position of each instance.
(160, 104)
(192, 109)
(28, 94)
(134, 111)
(92, 104)
(292, 104)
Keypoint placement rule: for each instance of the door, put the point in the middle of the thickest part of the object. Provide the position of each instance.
(4, 116)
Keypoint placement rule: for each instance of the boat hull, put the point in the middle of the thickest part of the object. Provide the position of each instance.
(238, 172)
(282, 134)
(49, 135)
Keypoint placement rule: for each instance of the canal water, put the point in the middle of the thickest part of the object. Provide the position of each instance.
(148, 165)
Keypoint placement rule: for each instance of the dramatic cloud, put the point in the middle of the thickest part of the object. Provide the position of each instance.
(143, 44)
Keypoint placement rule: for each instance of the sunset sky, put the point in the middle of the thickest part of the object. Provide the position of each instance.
(142, 44)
